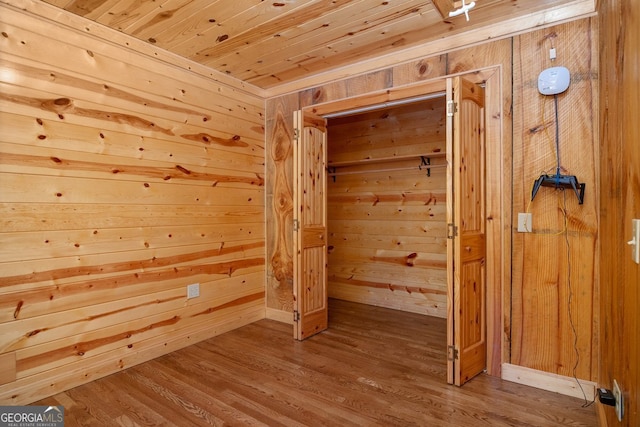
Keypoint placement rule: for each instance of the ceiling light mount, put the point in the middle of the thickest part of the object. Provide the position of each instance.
(465, 8)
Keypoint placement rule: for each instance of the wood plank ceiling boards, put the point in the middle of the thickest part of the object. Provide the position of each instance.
(269, 43)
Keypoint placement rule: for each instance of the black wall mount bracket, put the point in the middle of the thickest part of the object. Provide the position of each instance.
(559, 181)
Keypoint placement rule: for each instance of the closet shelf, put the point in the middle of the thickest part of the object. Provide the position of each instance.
(425, 164)
(383, 159)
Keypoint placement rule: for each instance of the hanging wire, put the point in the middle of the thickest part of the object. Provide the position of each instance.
(574, 329)
(555, 101)
(546, 129)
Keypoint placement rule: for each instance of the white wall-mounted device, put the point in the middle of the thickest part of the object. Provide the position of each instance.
(554, 80)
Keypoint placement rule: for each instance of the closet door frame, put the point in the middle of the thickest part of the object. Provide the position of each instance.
(497, 195)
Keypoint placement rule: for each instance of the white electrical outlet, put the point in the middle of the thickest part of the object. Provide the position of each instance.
(524, 222)
(619, 400)
(193, 290)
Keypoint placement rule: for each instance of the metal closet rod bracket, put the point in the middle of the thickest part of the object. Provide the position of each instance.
(426, 161)
(332, 172)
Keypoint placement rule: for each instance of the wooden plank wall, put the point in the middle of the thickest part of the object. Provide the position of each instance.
(525, 294)
(122, 180)
(554, 271)
(619, 203)
(388, 224)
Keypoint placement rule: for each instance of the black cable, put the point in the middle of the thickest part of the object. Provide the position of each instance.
(573, 326)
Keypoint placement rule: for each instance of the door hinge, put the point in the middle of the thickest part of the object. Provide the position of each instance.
(296, 134)
(296, 225)
(452, 353)
(452, 231)
(296, 316)
(452, 108)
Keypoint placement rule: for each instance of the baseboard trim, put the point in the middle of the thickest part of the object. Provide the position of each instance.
(279, 315)
(547, 381)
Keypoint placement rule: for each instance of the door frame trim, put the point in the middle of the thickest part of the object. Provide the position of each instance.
(499, 172)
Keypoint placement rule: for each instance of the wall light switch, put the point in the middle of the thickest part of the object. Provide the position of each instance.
(635, 240)
(524, 222)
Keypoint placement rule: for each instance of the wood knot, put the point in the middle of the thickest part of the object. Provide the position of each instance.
(410, 259)
(183, 170)
(58, 106)
(16, 313)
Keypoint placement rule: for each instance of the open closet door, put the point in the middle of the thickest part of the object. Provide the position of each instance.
(466, 299)
(310, 225)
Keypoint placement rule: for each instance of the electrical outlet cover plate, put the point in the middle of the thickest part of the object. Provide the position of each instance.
(619, 400)
(193, 290)
(635, 240)
(524, 222)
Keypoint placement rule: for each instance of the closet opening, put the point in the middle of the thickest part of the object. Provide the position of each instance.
(386, 206)
(374, 204)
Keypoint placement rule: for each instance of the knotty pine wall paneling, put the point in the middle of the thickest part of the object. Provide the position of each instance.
(387, 217)
(122, 180)
(619, 160)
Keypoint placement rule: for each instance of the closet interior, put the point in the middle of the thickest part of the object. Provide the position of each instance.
(386, 210)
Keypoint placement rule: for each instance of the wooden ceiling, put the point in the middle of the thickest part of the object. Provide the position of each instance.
(268, 43)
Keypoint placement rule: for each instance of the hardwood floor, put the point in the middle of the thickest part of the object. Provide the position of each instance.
(373, 367)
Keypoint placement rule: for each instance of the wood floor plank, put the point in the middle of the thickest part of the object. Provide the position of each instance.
(372, 367)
